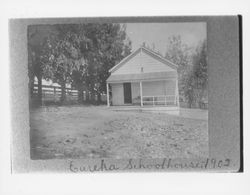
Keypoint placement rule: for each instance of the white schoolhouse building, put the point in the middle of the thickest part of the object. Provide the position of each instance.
(143, 78)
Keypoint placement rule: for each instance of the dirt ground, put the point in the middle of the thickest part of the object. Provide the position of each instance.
(98, 132)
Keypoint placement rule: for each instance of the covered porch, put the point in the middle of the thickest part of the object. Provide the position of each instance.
(144, 90)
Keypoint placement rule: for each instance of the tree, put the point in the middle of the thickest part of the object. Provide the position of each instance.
(192, 69)
(79, 78)
(200, 73)
(196, 81)
(80, 55)
(189, 88)
(38, 36)
(179, 54)
(113, 45)
(101, 46)
(62, 59)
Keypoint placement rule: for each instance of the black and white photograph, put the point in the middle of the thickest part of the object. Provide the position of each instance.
(124, 97)
(126, 94)
(118, 90)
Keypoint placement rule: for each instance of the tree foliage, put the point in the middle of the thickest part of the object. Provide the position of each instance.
(192, 69)
(38, 36)
(200, 72)
(79, 54)
(178, 53)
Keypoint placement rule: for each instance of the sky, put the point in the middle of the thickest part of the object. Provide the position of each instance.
(158, 33)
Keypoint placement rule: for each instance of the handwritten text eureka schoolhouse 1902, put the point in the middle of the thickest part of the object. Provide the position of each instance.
(140, 164)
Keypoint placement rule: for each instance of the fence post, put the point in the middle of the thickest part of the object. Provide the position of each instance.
(141, 93)
(54, 94)
(107, 95)
(177, 101)
(153, 100)
(66, 93)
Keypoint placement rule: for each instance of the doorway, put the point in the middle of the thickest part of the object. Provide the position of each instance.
(127, 93)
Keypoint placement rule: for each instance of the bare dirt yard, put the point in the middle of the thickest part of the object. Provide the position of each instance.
(98, 132)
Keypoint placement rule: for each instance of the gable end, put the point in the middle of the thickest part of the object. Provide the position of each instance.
(149, 53)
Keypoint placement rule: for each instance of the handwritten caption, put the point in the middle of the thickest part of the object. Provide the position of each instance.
(164, 164)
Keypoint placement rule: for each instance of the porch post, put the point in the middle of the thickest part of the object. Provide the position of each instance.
(141, 93)
(107, 94)
(166, 93)
(177, 93)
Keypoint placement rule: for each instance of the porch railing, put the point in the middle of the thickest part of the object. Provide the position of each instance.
(159, 100)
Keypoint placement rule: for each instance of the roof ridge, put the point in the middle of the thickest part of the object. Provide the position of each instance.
(160, 56)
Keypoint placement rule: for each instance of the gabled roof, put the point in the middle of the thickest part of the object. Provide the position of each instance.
(147, 51)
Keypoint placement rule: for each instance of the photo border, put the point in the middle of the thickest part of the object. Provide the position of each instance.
(225, 94)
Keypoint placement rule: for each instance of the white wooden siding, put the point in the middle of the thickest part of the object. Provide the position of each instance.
(153, 88)
(135, 88)
(117, 94)
(170, 87)
(142, 60)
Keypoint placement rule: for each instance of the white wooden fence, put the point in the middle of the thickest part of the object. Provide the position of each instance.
(53, 94)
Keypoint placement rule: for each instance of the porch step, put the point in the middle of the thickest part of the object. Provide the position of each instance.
(156, 109)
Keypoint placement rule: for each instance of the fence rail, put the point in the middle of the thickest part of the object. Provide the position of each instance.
(53, 94)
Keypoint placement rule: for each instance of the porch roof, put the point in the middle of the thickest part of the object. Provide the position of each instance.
(142, 77)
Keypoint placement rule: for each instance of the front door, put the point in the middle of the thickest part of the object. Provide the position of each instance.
(127, 93)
